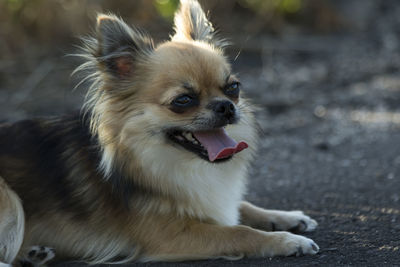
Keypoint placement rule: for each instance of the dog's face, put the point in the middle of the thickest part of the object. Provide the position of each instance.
(194, 96)
(180, 97)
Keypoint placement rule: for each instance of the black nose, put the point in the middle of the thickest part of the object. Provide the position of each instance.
(225, 109)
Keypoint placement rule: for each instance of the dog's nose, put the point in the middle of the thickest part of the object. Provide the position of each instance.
(225, 109)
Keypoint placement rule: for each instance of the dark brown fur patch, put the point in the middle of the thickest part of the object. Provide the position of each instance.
(44, 153)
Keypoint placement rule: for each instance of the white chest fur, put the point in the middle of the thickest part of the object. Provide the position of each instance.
(203, 190)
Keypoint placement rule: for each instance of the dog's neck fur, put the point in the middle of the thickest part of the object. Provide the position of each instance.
(190, 186)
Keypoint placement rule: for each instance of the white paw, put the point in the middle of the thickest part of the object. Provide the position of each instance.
(294, 221)
(290, 244)
(39, 255)
(299, 245)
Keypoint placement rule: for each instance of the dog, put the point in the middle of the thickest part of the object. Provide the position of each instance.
(153, 170)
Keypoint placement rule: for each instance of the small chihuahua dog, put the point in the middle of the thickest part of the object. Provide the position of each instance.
(156, 171)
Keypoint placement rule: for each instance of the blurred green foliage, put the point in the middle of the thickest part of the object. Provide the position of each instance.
(267, 6)
(14, 5)
(166, 8)
(23, 22)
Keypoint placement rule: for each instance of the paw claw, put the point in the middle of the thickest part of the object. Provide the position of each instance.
(314, 247)
(305, 223)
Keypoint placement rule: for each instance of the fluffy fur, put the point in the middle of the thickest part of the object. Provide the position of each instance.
(115, 185)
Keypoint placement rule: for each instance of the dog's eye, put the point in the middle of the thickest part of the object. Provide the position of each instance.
(232, 89)
(182, 101)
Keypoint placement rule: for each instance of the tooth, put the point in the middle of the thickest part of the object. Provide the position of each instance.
(188, 136)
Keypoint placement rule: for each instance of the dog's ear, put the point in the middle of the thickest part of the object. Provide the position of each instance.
(119, 45)
(191, 23)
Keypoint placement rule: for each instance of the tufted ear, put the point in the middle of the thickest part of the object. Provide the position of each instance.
(119, 45)
(191, 23)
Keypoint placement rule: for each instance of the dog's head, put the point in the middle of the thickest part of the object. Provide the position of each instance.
(179, 99)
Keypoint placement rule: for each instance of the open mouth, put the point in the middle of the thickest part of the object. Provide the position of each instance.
(211, 145)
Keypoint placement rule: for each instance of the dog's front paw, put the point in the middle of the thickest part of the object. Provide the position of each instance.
(287, 244)
(276, 220)
(293, 221)
(38, 256)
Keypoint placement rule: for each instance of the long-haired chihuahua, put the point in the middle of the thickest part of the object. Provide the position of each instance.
(153, 170)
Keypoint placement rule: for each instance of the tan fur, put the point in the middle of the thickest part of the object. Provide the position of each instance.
(163, 238)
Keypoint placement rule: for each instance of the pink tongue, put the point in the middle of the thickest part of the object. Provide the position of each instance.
(218, 144)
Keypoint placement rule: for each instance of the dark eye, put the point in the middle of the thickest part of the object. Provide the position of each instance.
(183, 101)
(232, 89)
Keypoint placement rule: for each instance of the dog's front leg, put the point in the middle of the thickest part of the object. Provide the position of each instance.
(275, 220)
(189, 240)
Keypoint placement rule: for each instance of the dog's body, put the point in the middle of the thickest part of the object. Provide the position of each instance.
(142, 177)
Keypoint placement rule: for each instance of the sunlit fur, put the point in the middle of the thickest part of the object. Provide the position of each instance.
(132, 133)
(111, 186)
(130, 120)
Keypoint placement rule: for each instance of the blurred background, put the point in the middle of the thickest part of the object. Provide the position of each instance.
(287, 47)
(325, 75)
(284, 45)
